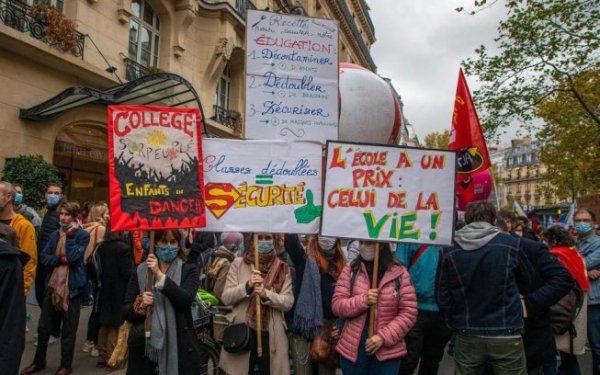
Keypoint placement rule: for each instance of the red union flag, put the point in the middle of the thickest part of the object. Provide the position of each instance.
(466, 138)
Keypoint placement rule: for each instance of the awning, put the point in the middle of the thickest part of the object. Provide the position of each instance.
(164, 89)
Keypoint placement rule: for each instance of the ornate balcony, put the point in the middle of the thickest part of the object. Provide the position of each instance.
(229, 118)
(134, 70)
(17, 15)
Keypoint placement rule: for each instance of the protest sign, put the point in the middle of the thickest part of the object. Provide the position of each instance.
(267, 186)
(291, 77)
(389, 193)
(155, 167)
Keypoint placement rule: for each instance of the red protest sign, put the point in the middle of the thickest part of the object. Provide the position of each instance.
(155, 167)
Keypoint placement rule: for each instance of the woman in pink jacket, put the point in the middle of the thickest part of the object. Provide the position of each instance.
(395, 312)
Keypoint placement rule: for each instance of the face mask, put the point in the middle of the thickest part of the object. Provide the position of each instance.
(265, 246)
(66, 227)
(519, 233)
(326, 243)
(166, 253)
(240, 248)
(367, 252)
(18, 198)
(583, 228)
(52, 200)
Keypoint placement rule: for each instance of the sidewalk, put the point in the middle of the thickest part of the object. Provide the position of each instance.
(83, 363)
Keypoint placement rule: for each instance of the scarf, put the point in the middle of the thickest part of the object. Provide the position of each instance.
(570, 258)
(162, 345)
(59, 280)
(275, 272)
(308, 315)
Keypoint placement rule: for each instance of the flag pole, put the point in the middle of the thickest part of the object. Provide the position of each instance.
(496, 190)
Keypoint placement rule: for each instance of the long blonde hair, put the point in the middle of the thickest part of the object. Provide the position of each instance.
(97, 213)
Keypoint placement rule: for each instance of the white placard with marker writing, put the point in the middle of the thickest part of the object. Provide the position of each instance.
(291, 77)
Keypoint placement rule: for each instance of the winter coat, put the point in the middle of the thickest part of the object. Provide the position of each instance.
(589, 248)
(395, 312)
(26, 235)
(117, 265)
(96, 231)
(479, 279)
(550, 281)
(235, 295)
(12, 313)
(75, 247)
(181, 297)
(50, 223)
(423, 273)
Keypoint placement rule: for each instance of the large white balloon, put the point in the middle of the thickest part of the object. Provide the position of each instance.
(369, 108)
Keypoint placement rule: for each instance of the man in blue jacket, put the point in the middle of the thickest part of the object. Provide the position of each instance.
(478, 294)
(63, 255)
(427, 339)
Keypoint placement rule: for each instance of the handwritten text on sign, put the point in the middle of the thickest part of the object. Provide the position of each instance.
(291, 77)
(388, 193)
(155, 163)
(269, 186)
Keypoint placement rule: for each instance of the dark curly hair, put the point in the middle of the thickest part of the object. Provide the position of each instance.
(558, 236)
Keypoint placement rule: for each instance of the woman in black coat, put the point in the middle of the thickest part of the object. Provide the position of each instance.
(173, 351)
(116, 264)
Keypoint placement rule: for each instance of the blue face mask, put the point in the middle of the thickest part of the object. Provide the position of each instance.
(583, 228)
(166, 253)
(18, 198)
(265, 246)
(52, 200)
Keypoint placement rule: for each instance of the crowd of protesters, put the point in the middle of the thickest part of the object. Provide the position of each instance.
(493, 300)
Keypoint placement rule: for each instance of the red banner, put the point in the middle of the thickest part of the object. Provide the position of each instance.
(155, 168)
(466, 138)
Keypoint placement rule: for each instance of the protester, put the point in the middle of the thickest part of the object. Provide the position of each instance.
(25, 232)
(21, 208)
(272, 282)
(427, 339)
(12, 324)
(526, 231)
(570, 344)
(588, 245)
(96, 227)
(116, 265)
(549, 282)
(395, 311)
(480, 299)
(172, 347)
(63, 255)
(218, 266)
(318, 271)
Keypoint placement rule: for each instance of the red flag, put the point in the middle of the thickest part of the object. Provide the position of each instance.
(466, 138)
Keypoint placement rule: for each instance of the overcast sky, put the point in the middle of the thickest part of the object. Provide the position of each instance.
(420, 45)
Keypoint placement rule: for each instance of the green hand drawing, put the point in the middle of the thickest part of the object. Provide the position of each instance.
(309, 212)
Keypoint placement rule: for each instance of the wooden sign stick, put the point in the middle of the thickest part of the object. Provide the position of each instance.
(374, 283)
(258, 306)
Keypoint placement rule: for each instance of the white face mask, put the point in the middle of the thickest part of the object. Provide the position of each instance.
(326, 243)
(367, 251)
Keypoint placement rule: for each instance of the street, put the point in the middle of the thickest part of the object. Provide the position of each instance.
(83, 363)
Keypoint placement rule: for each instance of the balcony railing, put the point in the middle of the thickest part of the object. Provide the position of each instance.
(242, 5)
(17, 15)
(134, 70)
(228, 118)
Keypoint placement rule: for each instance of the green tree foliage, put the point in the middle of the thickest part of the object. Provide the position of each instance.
(571, 138)
(34, 174)
(438, 140)
(543, 45)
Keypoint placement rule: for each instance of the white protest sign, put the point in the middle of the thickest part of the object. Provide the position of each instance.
(389, 193)
(267, 186)
(291, 77)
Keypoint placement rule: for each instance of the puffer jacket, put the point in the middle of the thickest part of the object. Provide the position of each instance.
(394, 314)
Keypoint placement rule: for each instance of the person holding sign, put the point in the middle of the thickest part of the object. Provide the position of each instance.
(172, 346)
(272, 283)
(395, 306)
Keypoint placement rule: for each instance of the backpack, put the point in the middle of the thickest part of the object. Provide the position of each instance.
(564, 312)
(211, 271)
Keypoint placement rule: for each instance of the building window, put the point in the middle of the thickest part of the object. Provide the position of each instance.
(59, 4)
(144, 30)
(224, 89)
